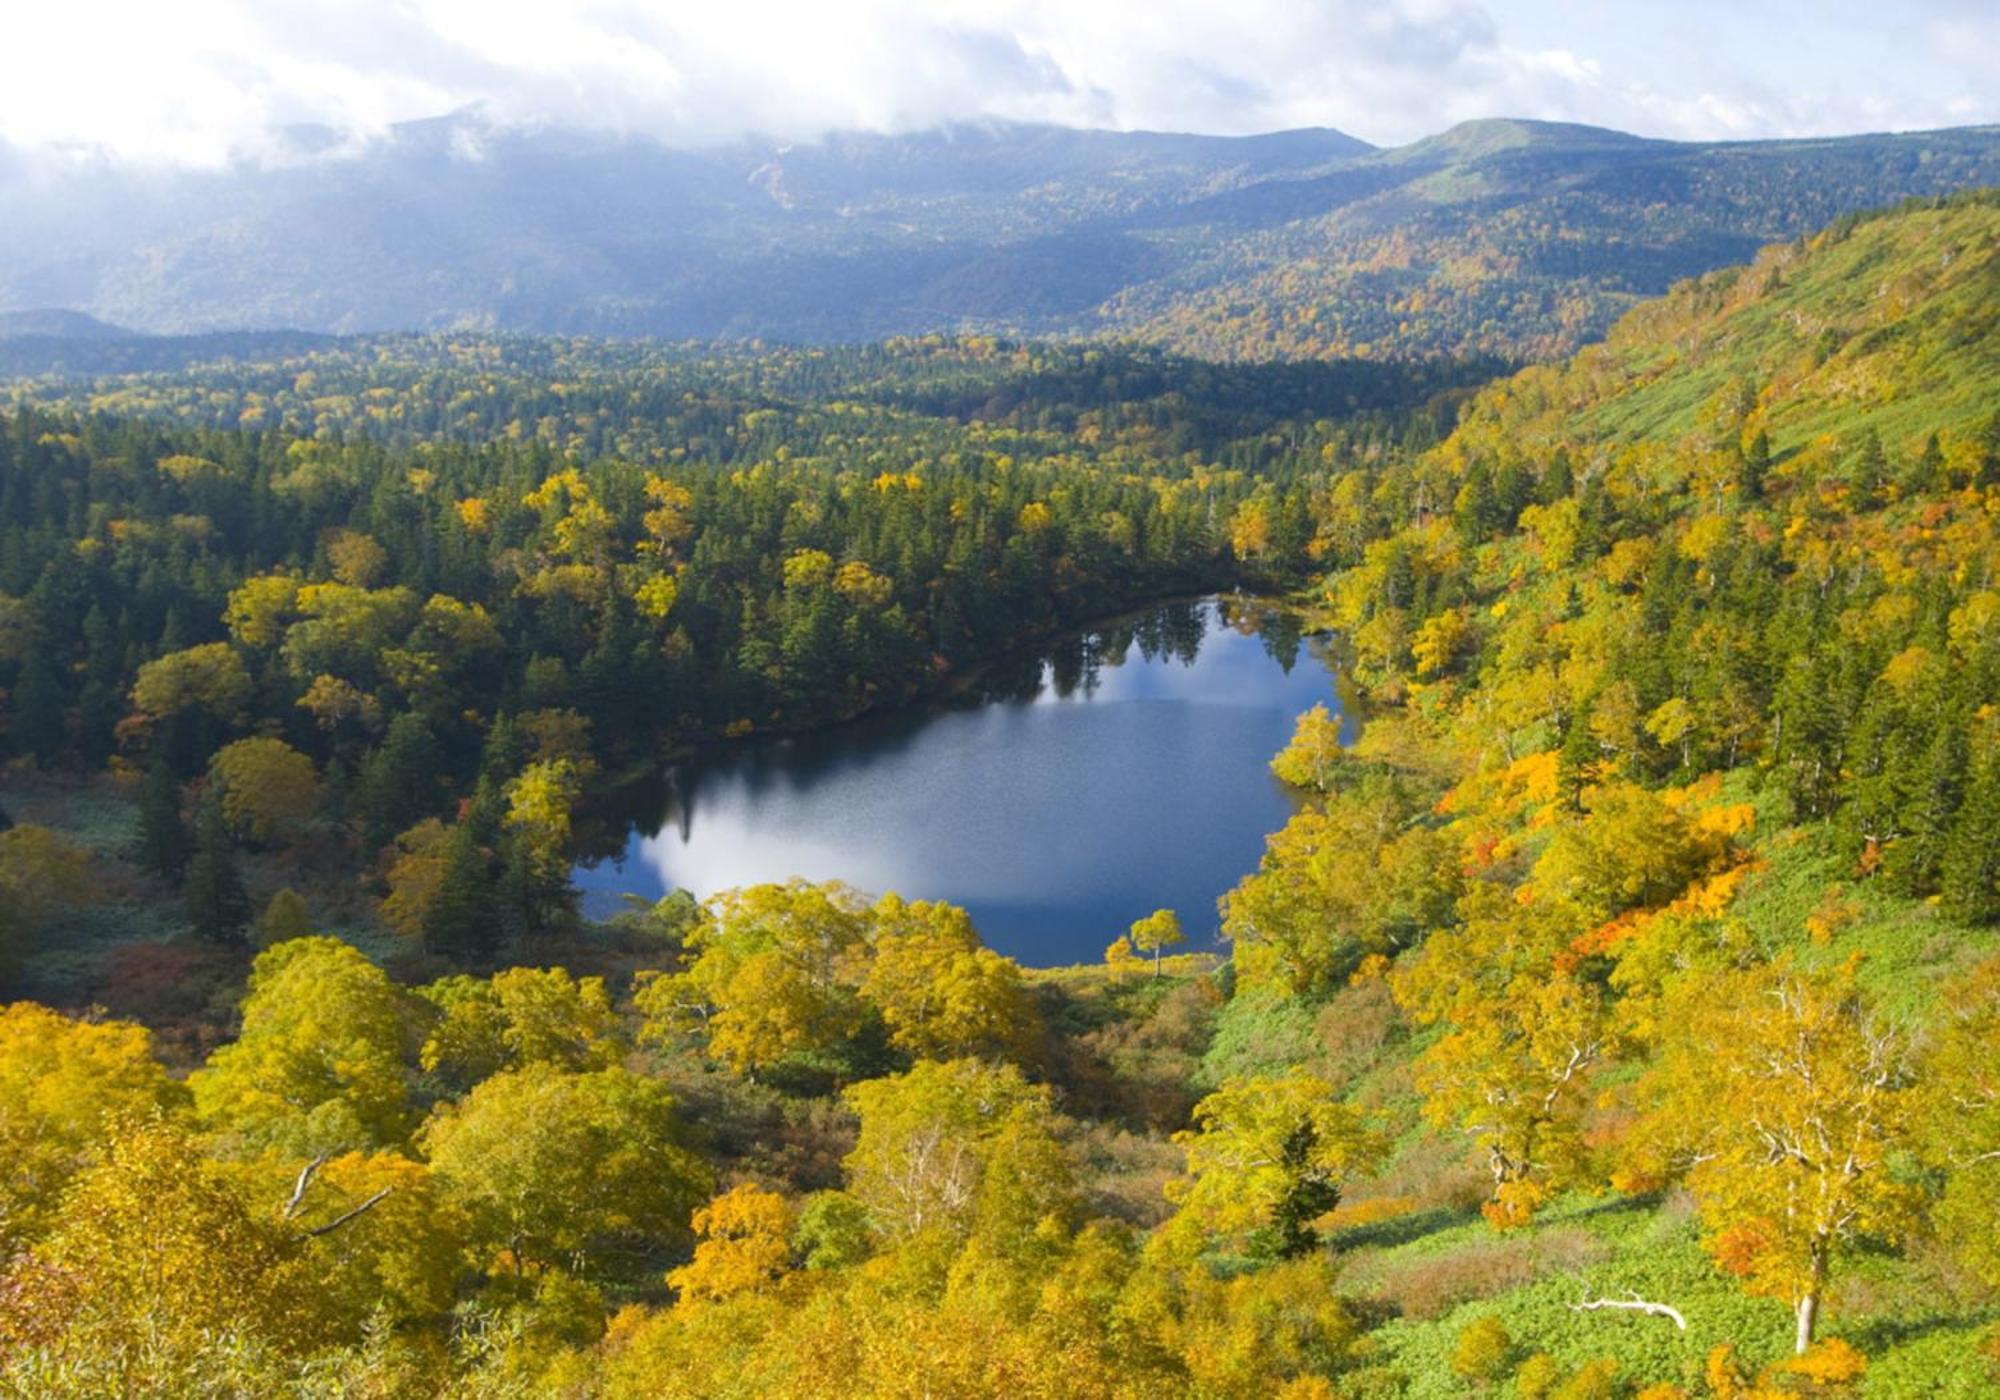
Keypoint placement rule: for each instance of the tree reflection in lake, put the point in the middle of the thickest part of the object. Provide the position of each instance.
(1062, 794)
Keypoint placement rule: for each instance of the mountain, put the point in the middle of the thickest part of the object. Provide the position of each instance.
(56, 324)
(1509, 237)
(1885, 324)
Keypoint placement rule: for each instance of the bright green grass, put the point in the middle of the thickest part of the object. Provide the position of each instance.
(1594, 1247)
(1901, 311)
(1907, 949)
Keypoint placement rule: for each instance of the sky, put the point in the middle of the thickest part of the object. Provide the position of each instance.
(205, 81)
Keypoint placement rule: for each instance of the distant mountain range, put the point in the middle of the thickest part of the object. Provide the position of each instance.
(1498, 237)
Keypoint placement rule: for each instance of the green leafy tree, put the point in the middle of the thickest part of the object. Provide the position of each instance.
(42, 875)
(285, 918)
(319, 1065)
(550, 1166)
(268, 789)
(1268, 1156)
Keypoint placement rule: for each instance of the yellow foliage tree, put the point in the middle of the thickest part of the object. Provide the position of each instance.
(260, 607)
(415, 877)
(1311, 760)
(545, 1163)
(774, 975)
(1268, 1156)
(269, 789)
(64, 1088)
(951, 1141)
(1960, 1103)
(744, 1244)
(209, 677)
(1157, 932)
(1782, 1099)
(940, 993)
(212, 1277)
(319, 1063)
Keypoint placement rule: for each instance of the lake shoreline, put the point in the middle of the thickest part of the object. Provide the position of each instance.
(956, 682)
(1045, 790)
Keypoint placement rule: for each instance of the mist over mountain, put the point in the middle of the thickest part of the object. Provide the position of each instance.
(1508, 237)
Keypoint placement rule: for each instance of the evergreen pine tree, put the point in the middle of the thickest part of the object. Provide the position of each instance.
(1577, 759)
(218, 909)
(1869, 472)
(37, 722)
(1987, 472)
(1756, 466)
(463, 923)
(164, 841)
(1926, 470)
(1971, 873)
(398, 783)
(1936, 787)
(503, 753)
(101, 702)
(1559, 481)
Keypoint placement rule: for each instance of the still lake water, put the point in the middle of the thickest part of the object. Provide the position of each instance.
(1070, 792)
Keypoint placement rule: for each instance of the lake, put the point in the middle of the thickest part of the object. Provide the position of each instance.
(1067, 792)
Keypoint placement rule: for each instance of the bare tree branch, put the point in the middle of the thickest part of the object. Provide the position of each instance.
(342, 1219)
(1634, 1304)
(302, 1185)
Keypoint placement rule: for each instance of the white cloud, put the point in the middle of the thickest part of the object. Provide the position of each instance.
(200, 80)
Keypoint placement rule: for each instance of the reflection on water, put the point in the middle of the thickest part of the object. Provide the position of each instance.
(1067, 794)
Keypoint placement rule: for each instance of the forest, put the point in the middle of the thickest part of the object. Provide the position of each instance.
(1614, 1018)
(1494, 236)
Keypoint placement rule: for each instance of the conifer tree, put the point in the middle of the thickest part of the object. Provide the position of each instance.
(164, 841)
(1971, 873)
(37, 703)
(463, 923)
(398, 783)
(218, 909)
(1756, 466)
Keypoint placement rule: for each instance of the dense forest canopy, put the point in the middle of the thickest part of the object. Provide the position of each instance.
(1614, 1018)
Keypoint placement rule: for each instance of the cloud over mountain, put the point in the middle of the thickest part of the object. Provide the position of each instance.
(202, 80)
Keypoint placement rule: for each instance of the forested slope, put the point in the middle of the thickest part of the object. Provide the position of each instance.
(1519, 239)
(1677, 847)
(1614, 1019)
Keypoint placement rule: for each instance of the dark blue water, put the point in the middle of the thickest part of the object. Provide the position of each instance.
(1120, 770)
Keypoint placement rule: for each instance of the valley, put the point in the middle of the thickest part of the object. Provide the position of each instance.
(1607, 1012)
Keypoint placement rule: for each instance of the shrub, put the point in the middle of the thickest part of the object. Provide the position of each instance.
(1597, 1380)
(1536, 1377)
(1429, 1286)
(1482, 1350)
(1831, 1362)
(1358, 1026)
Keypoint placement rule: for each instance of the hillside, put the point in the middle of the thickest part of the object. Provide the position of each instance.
(1686, 651)
(1613, 1020)
(56, 325)
(1888, 322)
(1508, 238)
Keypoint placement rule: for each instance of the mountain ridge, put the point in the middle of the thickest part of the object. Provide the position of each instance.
(1496, 237)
